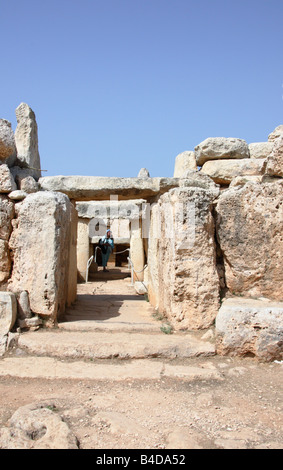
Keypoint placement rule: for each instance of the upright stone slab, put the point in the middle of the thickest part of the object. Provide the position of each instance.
(26, 138)
(40, 243)
(183, 162)
(83, 248)
(249, 229)
(188, 283)
(8, 312)
(137, 252)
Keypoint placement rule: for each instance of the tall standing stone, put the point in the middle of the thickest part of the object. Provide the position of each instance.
(40, 244)
(249, 230)
(183, 278)
(26, 138)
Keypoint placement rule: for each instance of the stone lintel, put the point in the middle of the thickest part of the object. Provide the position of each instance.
(93, 188)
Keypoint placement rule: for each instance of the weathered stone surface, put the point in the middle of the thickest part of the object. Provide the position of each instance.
(196, 179)
(5, 261)
(183, 162)
(7, 183)
(278, 131)
(88, 188)
(37, 426)
(242, 180)
(6, 216)
(40, 244)
(140, 288)
(8, 312)
(72, 260)
(24, 310)
(274, 163)
(215, 148)
(32, 323)
(28, 185)
(137, 253)
(26, 138)
(249, 229)
(182, 260)
(17, 195)
(249, 326)
(109, 210)
(223, 171)
(143, 173)
(8, 151)
(260, 149)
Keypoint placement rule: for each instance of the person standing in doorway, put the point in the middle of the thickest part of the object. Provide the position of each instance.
(106, 244)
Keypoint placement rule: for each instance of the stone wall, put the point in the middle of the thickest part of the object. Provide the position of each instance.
(38, 233)
(215, 245)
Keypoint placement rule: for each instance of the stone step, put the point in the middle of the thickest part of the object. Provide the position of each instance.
(74, 323)
(107, 345)
(53, 368)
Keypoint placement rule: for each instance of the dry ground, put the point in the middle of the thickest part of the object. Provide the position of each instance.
(242, 411)
(238, 407)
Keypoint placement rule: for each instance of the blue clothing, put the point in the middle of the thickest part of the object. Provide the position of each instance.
(110, 246)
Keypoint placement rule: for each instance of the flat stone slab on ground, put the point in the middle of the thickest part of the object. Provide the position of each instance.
(104, 345)
(52, 368)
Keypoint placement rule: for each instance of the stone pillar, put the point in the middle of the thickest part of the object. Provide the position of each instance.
(27, 139)
(40, 244)
(137, 250)
(72, 268)
(83, 248)
(183, 279)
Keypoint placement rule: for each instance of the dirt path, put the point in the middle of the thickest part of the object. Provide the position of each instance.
(152, 403)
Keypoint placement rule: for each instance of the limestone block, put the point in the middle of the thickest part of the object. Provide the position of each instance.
(93, 188)
(241, 180)
(249, 326)
(6, 216)
(26, 137)
(196, 179)
(274, 135)
(183, 162)
(83, 247)
(24, 310)
(8, 151)
(5, 261)
(153, 256)
(29, 185)
(7, 183)
(260, 149)
(215, 148)
(40, 245)
(137, 253)
(8, 312)
(17, 195)
(223, 171)
(184, 261)
(249, 229)
(274, 163)
(72, 264)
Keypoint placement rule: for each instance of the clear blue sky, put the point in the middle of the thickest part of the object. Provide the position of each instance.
(117, 85)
